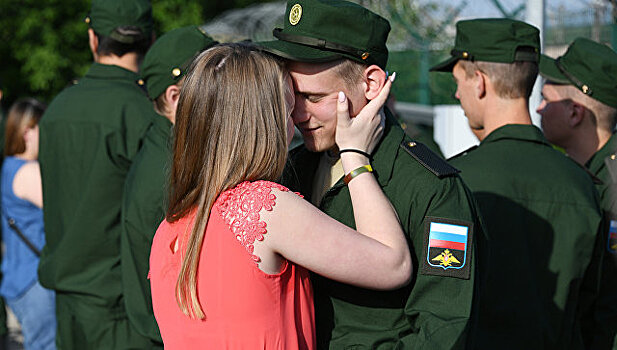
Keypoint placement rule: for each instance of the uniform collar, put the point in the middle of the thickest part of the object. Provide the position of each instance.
(596, 163)
(521, 132)
(385, 154)
(111, 72)
(162, 123)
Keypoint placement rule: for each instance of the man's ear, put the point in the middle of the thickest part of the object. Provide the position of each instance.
(374, 80)
(93, 41)
(480, 84)
(172, 95)
(577, 114)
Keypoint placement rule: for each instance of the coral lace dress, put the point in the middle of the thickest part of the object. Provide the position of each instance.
(245, 307)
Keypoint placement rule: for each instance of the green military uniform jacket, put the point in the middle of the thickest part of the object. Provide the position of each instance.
(600, 328)
(541, 215)
(433, 311)
(89, 136)
(143, 209)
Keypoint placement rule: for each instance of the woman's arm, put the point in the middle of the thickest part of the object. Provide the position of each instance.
(376, 255)
(27, 184)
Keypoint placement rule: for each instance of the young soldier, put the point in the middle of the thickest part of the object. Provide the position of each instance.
(88, 138)
(540, 209)
(579, 112)
(144, 206)
(334, 46)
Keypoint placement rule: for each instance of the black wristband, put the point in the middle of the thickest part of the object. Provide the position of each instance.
(355, 151)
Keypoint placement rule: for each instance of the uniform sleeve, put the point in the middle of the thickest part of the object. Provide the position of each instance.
(599, 289)
(142, 212)
(444, 241)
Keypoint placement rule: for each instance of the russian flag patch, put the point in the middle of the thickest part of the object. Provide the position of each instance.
(612, 237)
(447, 247)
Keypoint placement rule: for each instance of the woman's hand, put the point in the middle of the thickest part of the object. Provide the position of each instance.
(364, 131)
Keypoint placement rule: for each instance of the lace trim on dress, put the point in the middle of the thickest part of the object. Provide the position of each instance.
(240, 206)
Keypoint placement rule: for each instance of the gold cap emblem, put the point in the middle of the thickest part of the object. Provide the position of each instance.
(613, 156)
(140, 82)
(87, 20)
(295, 14)
(465, 54)
(585, 89)
(365, 55)
(176, 72)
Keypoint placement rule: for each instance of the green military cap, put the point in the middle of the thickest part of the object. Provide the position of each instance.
(322, 31)
(169, 57)
(589, 66)
(493, 40)
(107, 15)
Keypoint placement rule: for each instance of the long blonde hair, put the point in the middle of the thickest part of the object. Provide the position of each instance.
(231, 127)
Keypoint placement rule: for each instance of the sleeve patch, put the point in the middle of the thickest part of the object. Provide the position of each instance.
(447, 248)
(612, 237)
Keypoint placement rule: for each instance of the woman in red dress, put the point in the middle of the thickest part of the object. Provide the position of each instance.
(229, 265)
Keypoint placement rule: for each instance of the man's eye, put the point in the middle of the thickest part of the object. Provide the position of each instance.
(314, 98)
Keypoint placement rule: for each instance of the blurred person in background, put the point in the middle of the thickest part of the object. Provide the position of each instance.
(89, 136)
(4, 332)
(22, 227)
(579, 113)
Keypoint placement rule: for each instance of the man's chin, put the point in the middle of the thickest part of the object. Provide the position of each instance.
(313, 146)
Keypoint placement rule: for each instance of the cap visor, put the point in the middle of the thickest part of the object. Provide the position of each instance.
(549, 70)
(445, 66)
(297, 52)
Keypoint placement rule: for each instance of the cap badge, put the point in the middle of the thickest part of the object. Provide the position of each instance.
(295, 14)
(140, 82)
(365, 55)
(87, 20)
(585, 89)
(176, 72)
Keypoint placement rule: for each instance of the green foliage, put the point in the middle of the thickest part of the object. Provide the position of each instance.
(171, 14)
(44, 44)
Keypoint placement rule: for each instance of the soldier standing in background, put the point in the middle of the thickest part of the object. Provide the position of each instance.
(88, 138)
(579, 113)
(540, 209)
(144, 204)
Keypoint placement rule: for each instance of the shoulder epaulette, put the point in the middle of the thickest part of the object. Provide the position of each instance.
(611, 165)
(596, 180)
(429, 159)
(464, 152)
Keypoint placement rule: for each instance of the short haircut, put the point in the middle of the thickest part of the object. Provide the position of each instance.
(109, 46)
(511, 80)
(606, 116)
(350, 71)
(25, 113)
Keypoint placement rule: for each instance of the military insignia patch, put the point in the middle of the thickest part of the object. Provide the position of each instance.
(295, 14)
(447, 248)
(612, 237)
